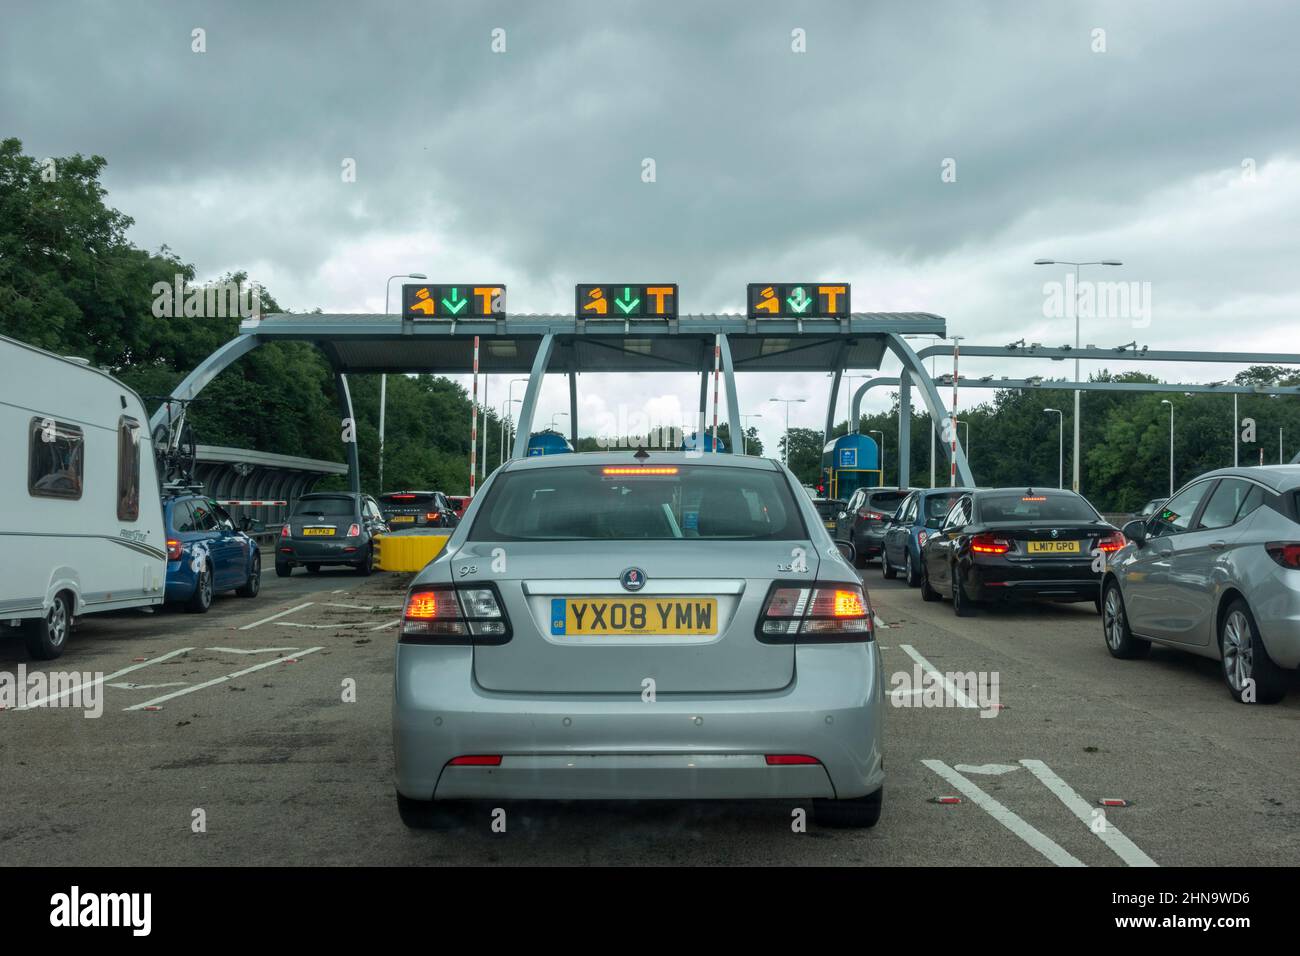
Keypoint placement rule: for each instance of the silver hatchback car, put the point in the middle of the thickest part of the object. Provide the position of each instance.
(1215, 571)
(617, 626)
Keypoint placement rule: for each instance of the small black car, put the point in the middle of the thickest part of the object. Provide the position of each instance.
(1006, 544)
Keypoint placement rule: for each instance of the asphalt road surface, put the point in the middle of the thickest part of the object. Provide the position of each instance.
(237, 720)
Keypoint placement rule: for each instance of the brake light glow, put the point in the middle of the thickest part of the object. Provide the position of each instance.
(1285, 553)
(871, 516)
(454, 614)
(838, 613)
(401, 497)
(1112, 542)
(173, 549)
(354, 530)
(1034, 498)
(629, 471)
(431, 516)
(988, 544)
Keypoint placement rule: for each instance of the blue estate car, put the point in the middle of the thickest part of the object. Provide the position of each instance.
(917, 517)
(206, 553)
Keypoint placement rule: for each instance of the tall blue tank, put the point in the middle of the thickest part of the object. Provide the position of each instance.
(548, 443)
(850, 462)
(691, 442)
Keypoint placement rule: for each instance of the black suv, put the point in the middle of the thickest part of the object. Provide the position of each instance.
(417, 509)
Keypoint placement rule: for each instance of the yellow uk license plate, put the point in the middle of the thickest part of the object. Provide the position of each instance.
(401, 519)
(829, 524)
(317, 531)
(1053, 547)
(604, 617)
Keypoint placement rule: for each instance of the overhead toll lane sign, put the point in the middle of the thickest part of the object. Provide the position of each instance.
(798, 300)
(625, 300)
(453, 302)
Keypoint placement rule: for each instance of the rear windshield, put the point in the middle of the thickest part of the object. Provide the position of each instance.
(405, 500)
(886, 500)
(938, 506)
(1035, 507)
(595, 502)
(325, 506)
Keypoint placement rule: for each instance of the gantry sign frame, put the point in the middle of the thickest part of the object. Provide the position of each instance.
(538, 344)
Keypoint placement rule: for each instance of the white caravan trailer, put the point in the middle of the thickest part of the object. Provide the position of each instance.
(81, 524)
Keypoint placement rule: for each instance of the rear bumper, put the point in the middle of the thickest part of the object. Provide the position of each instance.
(576, 747)
(994, 579)
(1276, 608)
(181, 581)
(328, 551)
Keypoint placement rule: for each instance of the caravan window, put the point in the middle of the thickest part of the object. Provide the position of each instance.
(128, 469)
(55, 459)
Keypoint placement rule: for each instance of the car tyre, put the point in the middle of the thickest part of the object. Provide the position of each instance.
(928, 593)
(962, 606)
(47, 636)
(859, 812)
(909, 570)
(1244, 658)
(367, 565)
(887, 569)
(254, 583)
(859, 554)
(1115, 629)
(201, 599)
(283, 569)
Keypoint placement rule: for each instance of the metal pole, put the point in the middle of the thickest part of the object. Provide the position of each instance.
(956, 354)
(1060, 451)
(383, 403)
(485, 430)
(1236, 423)
(473, 423)
(933, 433)
(1077, 393)
(717, 363)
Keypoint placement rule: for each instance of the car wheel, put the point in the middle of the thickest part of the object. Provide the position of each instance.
(909, 570)
(1114, 626)
(962, 606)
(928, 593)
(313, 568)
(254, 582)
(46, 636)
(283, 569)
(859, 555)
(858, 812)
(1250, 673)
(887, 569)
(201, 599)
(367, 566)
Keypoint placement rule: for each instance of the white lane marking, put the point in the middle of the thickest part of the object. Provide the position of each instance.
(221, 680)
(107, 677)
(1044, 844)
(267, 620)
(127, 685)
(250, 650)
(339, 591)
(985, 769)
(952, 690)
(388, 625)
(877, 622)
(321, 627)
(1124, 848)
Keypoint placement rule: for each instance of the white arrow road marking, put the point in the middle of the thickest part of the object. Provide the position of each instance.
(367, 607)
(106, 677)
(1124, 848)
(1044, 844)
(127, 685)
(265, 620)
(951, 688)
(877, 622)
(250, 650)
(220, 680)
(321, 627)
(987, 769)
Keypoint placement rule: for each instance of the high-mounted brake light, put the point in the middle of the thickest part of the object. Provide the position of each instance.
(832, 613)
(1112, 542)
(630, 471)
(401, 497)
(173, 549)
(1034, 498)
(1285, 553)
(470, 613)
(989, 544)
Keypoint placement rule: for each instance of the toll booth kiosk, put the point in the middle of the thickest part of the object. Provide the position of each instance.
(850, 462)
(692, 442)
(548, 443)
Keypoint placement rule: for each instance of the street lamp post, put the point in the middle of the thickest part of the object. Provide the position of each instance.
(383, 379)
(744, 434)
(1061, 262)
(555, 416)
(1165, 401)
(510, 432)
(1060, 446)
(877, 431)
(785, 458)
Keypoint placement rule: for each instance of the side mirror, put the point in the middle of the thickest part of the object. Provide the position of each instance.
(1136, 531)
(847, 549)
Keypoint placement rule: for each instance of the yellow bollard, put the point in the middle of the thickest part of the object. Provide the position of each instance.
(407, 552)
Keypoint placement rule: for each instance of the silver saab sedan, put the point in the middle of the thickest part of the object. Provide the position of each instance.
(619, 626)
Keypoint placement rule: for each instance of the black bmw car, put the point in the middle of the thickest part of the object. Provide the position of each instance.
(1007, 544)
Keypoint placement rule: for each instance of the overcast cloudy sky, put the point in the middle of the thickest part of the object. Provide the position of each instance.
(1171, 141)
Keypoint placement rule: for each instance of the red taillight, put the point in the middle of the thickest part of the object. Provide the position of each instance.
(789, 760)
(447, 613)
(284, 530)
(431, 516)
(837, 613)
(989, 544)
(1112, 542)
(476, 760)
(173, 549)
(921, 538)
(1285, 553)
(354, 530)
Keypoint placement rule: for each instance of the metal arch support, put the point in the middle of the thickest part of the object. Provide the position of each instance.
(912, 363)
(206, 371)
(573, 406)
(903, 450)
(734, 422)
(540, 362)
(1115, 355)
(345, 409)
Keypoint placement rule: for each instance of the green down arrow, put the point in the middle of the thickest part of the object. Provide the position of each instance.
(800, 301)
(627, 303)
(457, 302)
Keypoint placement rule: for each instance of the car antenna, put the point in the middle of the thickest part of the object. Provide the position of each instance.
(641, 453)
